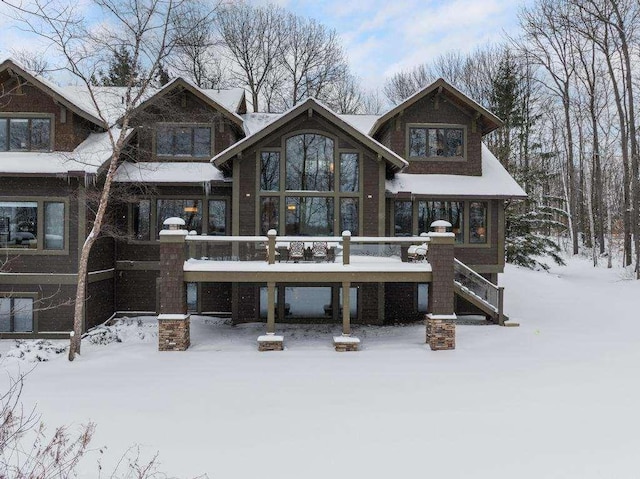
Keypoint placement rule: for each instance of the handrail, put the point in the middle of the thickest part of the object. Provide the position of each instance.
(335, 239)
(480, 287)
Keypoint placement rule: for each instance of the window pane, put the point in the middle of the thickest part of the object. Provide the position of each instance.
(189, 210)
(40, 134)
(451, 211)
(403, 218)
(18, 224)
(309, 163)
(417, 142)
(23, 315)
(349, 174)
(5, 315)
(192, 297)
(54, 225)
(142, 220)
(217, 217)
(269, 171)
(164, 141)
(349, 216)
(423, 297)
(454, 142)
(309, 216)
(202, 142)
(307, 302)
(182, 139)
(269, 214)
(4, 136)
(478, 222)
(18, 134)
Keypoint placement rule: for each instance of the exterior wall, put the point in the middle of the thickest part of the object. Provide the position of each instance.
(100, 302)
(435, 109)
(401, 303)
(67, 135)
(135, 290)
(215, 297)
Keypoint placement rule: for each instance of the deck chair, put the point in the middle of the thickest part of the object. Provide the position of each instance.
(296, 251)
(319, 250)
(417, 252)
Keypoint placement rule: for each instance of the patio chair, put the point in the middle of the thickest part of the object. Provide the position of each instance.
(319, 250)
(296, 251)
(417, 252)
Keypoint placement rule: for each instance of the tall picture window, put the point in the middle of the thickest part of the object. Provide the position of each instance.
(269, 214)
(309, 216)
(349, 216)
(451, 211)
(217, 218)
(25, 134)
(430, 142)
(269, 171)
(142, 220)
(403, 217)
(53, 225)
(189, 210)
(478, 222)
(309, 163)
(349, 172)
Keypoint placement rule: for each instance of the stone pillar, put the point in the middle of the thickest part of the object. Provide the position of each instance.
(440, 320)
(173, 320)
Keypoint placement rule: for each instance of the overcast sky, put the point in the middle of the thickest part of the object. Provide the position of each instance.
(382, 37)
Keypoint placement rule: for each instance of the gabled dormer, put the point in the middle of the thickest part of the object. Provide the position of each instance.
(437, 130)
(38, 116)
(181, 122)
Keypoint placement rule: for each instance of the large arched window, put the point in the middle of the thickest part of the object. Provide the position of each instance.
(309, 163)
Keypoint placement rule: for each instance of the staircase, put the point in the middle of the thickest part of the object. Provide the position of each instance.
(480, 292)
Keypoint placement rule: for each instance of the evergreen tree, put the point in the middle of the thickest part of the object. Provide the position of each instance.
(121, 69)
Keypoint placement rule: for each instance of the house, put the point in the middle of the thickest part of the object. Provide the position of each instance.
(233, 176)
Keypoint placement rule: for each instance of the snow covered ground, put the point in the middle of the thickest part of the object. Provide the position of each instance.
(555, 398)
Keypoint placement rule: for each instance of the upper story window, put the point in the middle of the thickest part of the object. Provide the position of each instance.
(436, 142)
(21, 226)
(183, 140)
(309, 163)
(25, 134)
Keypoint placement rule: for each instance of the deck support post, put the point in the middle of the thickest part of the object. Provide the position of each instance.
(269, 341)
(440, 322)
(346, 247)
(173, 320)
(346, 342)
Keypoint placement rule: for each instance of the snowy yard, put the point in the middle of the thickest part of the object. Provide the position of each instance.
(555, 398)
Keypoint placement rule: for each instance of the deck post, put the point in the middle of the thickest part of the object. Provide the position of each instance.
(269, 341)
(346, 342)
(346, 247)
(173, 320)
(440, 321)
(271, 306)
(271, 247)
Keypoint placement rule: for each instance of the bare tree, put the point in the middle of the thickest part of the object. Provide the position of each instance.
(146, 29)
(253, 39)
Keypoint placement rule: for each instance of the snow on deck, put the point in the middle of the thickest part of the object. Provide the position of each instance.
(359, 264)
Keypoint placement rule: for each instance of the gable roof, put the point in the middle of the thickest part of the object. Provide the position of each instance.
(206, 96)
(310, 104)
(439, 85)
(54, 91)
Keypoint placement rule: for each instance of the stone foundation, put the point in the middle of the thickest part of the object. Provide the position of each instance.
(441, 332)
(174, 332)
(346, 343)
(270, 342)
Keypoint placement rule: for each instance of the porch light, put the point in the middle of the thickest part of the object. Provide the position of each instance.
(291, 207)
(440, 226)
(190, 209)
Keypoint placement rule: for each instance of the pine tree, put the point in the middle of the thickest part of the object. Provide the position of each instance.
(121, 69)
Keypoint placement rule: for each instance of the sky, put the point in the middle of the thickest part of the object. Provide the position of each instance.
(381, 37)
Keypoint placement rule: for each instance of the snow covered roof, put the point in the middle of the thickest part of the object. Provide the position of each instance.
(307, 105)
(167, 172)
(441, 85)
(495, 182)
(364, 123)
(254, 122)
(88, 157)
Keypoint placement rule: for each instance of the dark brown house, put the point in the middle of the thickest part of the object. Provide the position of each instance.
(232, 176)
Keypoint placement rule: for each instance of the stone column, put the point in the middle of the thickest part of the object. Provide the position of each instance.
(173, 320)
(440, 323)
